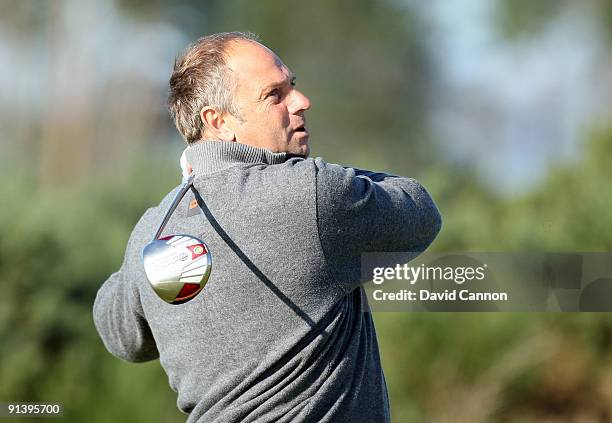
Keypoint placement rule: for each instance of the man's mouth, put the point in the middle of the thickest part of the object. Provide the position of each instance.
(301, 129)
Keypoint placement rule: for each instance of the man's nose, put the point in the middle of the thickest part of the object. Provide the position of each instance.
(299, 102)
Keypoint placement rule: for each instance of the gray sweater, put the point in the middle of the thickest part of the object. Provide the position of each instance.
(279, 333)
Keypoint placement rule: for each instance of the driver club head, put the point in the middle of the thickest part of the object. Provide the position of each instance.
(177, 266)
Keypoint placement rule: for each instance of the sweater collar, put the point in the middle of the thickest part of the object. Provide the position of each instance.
(207, 157)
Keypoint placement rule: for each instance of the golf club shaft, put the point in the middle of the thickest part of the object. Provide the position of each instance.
(177, 199)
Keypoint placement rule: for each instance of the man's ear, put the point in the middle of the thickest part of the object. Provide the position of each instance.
(216, 125)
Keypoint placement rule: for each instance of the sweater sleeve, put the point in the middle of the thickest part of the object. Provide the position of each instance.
(118, 313)
(360, 211)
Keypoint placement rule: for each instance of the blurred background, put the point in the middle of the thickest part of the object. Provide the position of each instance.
(501, 108)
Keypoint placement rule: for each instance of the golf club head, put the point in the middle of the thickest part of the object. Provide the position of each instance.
(177, 266)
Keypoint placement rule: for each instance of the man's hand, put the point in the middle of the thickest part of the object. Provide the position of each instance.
(186, 168)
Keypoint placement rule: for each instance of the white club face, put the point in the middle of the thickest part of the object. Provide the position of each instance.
(177, 267)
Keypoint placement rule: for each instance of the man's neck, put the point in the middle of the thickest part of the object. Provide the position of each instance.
(207, 157)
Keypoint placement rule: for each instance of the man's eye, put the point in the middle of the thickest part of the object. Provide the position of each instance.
(274, 94)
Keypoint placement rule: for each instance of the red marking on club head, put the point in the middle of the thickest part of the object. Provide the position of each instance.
(166, 238)
(197, 250)
(188, 290)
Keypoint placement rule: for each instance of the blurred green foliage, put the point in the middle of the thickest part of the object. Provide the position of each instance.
(518, 20)
(570, 211)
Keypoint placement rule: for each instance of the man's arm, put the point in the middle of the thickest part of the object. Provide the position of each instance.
(118, 314)
(361, 211)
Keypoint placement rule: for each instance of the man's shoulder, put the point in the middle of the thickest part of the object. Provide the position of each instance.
(306, 175)
(296, 169)
(296, 165)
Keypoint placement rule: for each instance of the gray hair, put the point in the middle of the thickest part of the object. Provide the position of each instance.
(201, 78)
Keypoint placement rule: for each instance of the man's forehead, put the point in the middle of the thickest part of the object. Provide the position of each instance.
(256, 64)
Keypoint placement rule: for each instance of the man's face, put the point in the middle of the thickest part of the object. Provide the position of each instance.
(271, 108)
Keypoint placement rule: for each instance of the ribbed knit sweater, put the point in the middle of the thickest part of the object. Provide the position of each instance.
(279, 333)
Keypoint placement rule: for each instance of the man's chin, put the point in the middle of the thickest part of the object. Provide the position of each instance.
(305, 152)
(301, 150)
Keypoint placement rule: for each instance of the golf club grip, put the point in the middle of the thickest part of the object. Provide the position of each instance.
(177, 199)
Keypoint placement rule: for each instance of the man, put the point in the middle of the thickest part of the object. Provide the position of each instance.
(279, 332)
